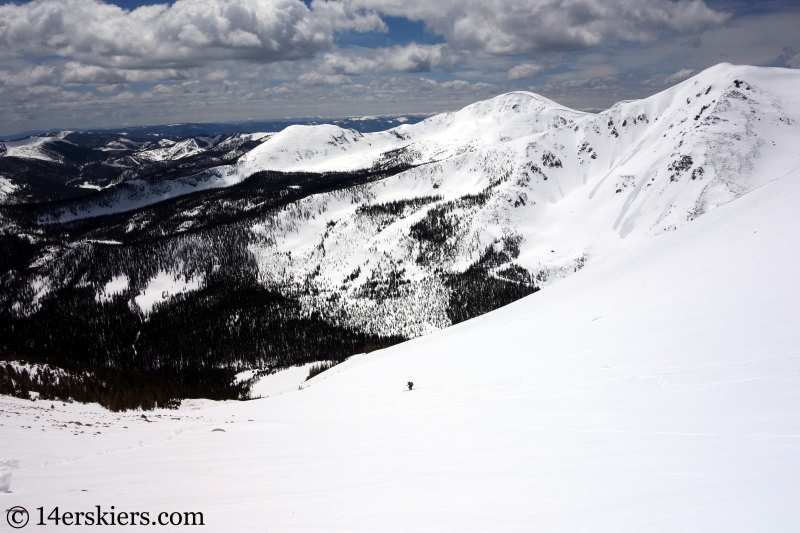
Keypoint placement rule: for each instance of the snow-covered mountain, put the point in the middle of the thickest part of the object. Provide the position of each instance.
(655, 390)
(70, 165)
(67, 164)
(401, 233)
(546, 187)
(32, 147)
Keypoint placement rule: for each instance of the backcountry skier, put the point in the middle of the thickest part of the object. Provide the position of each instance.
(410, 385)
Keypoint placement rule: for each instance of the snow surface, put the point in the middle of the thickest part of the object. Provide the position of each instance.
(160, 288)
(655, 390)
(30, 147)
(6, 187)
(286, 380)
(134, 194)
(116, 286)
(171, 151)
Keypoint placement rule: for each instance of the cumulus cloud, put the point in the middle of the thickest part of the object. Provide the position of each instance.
(409, 58)
(602, 83)
(525, 71)
(337, 68)
(187, 33)
(454, 86)
(218, 75)
(499, 27)
(193, 32)
(221, 59)
(38, 75)
(317, 78)
(678, 76)
(459, 85)
(111, 88)
(418, 58)
(79, 74)
(790, 58)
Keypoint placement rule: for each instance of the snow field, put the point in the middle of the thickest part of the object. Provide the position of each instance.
(30, 147)
(286, 380)
(163, 286)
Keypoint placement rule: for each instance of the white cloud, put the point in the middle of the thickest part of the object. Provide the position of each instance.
(38, 75)
(790, 58)
(111, 88)
(678, 76)
(78, 74)
(418, 58)
(316, 78)
(455, 85)
(187, 33)
(409, 58)
(221, 59)
(500, 27)
(525, 71)
(218, 75)
(190, 33)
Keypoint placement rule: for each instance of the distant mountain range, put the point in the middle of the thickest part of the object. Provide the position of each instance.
(181, 261)
(180, 131)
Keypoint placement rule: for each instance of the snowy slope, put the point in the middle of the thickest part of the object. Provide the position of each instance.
(134, 194)
(6, 187)
(280, 382)
(171, 151)
(32, 147)
(550, 187)
(655, 390)
(669, 157)
(126, 194)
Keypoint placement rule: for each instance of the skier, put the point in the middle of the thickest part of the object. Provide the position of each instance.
(410, 385)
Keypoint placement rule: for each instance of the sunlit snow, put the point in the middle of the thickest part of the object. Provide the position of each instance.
(163, 286)
(116, 286)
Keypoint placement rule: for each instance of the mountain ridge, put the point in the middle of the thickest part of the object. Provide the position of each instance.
(396, 234)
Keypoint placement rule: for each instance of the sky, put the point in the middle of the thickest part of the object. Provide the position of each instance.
(89, 63)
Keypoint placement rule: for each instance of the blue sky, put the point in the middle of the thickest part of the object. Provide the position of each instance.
(88, 63)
